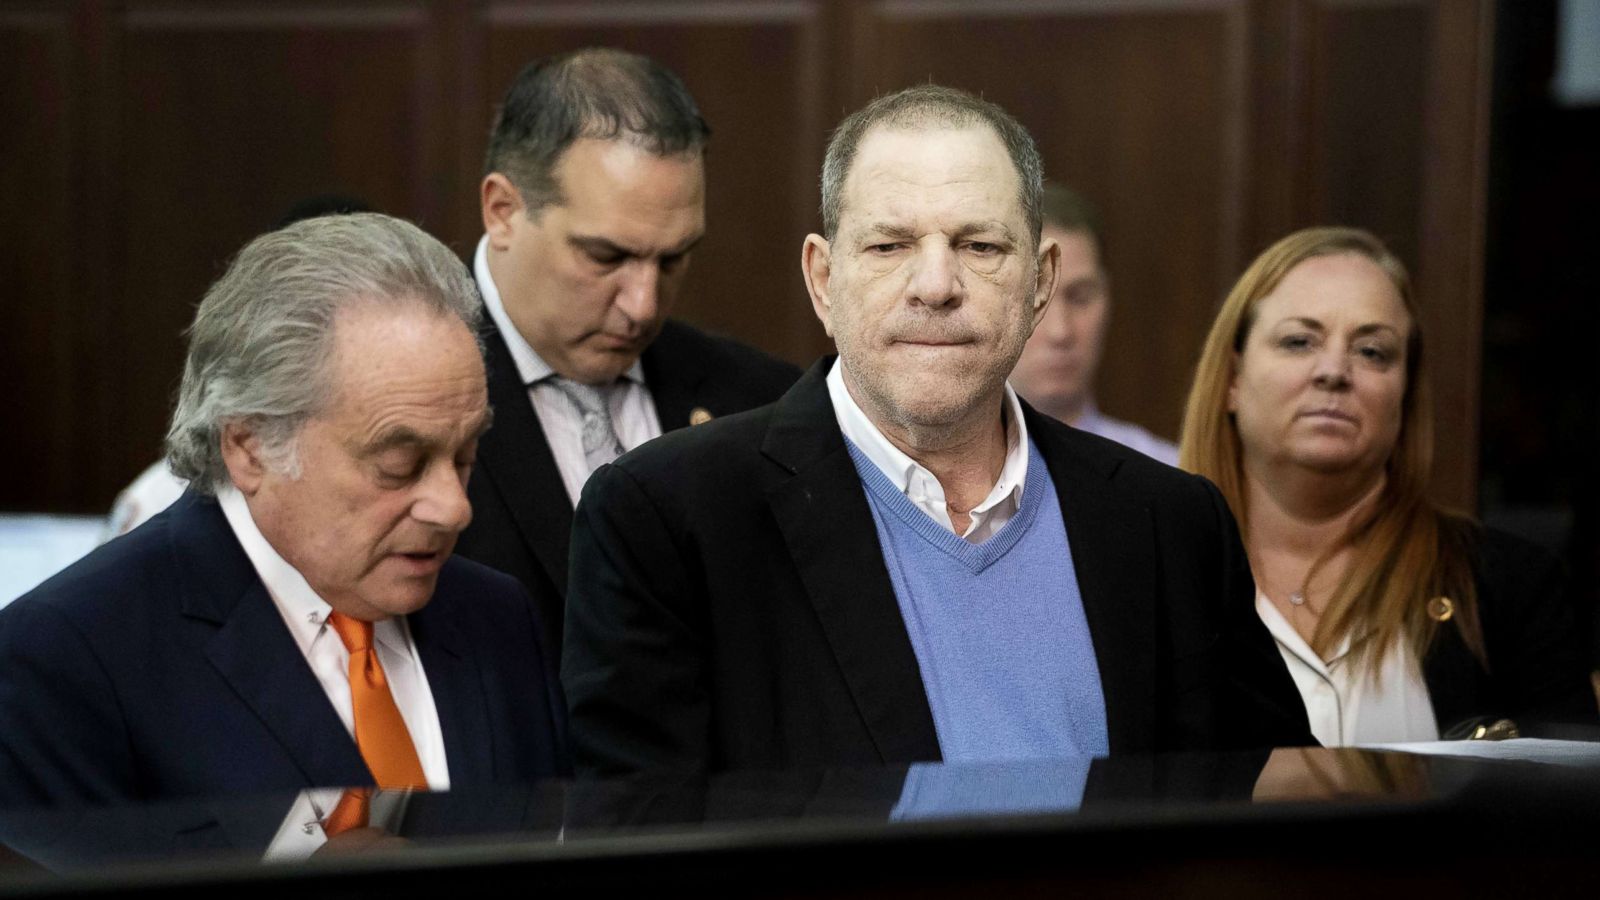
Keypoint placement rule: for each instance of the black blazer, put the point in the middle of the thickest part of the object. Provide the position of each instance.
(159, 667)
(1537, 675)
(730, 607)
(521, 515)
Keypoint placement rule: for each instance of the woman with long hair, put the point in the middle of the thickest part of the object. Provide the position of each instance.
(1399, 621)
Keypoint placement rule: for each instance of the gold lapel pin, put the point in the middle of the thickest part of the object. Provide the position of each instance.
(699, 415)
(1440, 609)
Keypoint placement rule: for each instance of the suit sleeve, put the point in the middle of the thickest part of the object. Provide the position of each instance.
(1260, 705)
(633, 663)
(62, 736)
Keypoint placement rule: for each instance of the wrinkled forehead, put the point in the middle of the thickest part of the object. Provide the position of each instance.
(900, 164)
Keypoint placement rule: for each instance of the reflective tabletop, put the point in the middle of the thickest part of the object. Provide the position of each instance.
(1305, 822)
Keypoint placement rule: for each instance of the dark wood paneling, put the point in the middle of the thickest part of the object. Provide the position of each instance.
(148, 139)
(1139, 106)
(755, 70)
(1368, 73)
(1449, 263)
(230, 115)
(46, 317)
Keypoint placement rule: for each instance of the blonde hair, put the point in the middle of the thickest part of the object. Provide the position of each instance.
(1406, 550)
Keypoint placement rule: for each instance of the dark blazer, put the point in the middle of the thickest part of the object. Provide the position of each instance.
(521, 515)
(1537, 675)
(158, 666)
(731, 608)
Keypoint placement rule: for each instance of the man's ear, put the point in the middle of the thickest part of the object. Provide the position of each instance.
(816, 264)
(501, 205)
(241, 453)
(1044, 286)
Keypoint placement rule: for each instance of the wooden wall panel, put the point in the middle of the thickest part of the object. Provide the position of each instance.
(148, 139)
(1364, 144)
(756, 72)
(1449, 265)
(1141, 107)
(48, 324)
(229, 116)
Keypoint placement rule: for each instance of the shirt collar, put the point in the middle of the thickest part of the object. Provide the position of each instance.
(1290, 639)
(530, 367)
(303, 610)
(911, 477)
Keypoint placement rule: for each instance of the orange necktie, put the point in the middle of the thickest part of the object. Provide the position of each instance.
(381, 733)
(350, 813)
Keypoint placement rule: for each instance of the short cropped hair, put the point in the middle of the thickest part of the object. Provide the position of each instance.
(1069, 210)
(598, 93)
(923, 107)
(260, 345)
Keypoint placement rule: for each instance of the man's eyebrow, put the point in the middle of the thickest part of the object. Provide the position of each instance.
(888, 230)
(903, 233)
(971, 228)
(405, 436)
(604, 248)
(598, 247)
(389, 439)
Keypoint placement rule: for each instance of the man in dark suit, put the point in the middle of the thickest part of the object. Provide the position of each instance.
(898, 560)
(593, 199)
(296, 619)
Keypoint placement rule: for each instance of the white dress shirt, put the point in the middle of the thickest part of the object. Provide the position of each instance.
(633, 413)
(917, 483)
(1347, 702)
(300, 835)
(306, 615)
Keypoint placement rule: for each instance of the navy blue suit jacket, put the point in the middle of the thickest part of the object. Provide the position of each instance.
(158, 666)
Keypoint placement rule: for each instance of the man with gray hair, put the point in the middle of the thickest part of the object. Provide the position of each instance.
(899, 560)
(296, 619)
(593, 201)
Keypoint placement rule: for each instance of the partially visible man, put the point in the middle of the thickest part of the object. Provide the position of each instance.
(899, 560)
(1060, 362)
(296, 619)
(593, 200)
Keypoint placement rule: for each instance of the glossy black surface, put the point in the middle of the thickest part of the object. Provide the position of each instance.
(1296, 822)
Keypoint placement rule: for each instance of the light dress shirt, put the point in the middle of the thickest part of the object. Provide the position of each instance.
(306, 615)
(633, 413)
(301, 833)
(917, 483)
(1347, 703)
(1127, 434)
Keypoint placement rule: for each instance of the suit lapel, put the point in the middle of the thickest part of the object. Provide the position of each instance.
(822, 512)
(457, 688)
(674, 378)
(253, 650)
(1113, 551)
(516, 459)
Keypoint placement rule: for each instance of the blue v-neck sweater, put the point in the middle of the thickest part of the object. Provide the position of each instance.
(998, 628)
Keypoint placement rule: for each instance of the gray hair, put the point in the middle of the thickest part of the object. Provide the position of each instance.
(596, 93)
(924, 107)
(260, 343)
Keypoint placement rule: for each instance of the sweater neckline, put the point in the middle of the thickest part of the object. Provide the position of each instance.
(975, 557)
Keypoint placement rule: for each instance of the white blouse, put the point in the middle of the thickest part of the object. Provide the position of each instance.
(1348, 703)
